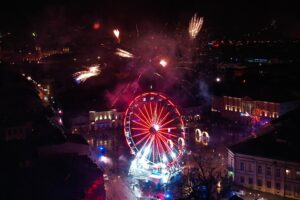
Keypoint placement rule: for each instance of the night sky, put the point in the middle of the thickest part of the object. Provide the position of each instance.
(70, 24)
(229, 17)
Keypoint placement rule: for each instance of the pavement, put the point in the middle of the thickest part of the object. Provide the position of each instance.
(117, 188)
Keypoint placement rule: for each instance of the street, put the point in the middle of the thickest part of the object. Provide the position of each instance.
(118, 189)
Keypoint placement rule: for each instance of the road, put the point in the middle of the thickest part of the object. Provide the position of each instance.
(118, 189)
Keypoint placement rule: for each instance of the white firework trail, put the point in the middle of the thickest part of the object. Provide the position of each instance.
(195, 26)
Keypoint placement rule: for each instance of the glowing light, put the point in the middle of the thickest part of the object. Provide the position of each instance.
(117, 34)
(123, 53)
(173, 155)
(91, 71)
(146, 151)
(219, 184)
(201, 137)
(165, 178)
(163, 63)
(104, 159)
(246, 114)
(198, 135)
(165, 159)
(156, 127)
(195, 26)
(96, 25)
(205, 138)
(181, 142)
(218, 79)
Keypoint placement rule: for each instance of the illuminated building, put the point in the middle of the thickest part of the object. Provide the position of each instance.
(105, 119)
(39, 54)
(234, 106)
(270, 163)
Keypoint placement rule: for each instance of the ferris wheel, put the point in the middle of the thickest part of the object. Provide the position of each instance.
(154, 129)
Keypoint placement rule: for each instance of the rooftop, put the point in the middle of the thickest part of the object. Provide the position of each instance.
(280, 142)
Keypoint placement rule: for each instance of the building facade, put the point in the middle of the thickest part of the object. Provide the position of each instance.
(105, 119)
(264, 174)
(234, 107)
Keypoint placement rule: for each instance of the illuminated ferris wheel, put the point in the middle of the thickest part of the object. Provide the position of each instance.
(154, 129)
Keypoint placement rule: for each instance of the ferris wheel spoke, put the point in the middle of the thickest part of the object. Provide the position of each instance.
(164, 141)
(157, 148)
(152, 148)
(142, 120)
(171, 128)
(140, 129)
(150, 110)
(146, 119)
(139, 134)
(160, 142)
(145, 137)
(164, 118)
(161, 111)
(143, 125)
(168, 122)
(146, 110)
(169, 134)
(155, 111)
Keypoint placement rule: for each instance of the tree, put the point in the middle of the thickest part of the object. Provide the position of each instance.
(202, 180)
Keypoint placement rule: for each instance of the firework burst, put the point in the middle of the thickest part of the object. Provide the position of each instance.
(195, 26)
(117, 34)
(163, 63)
(90, 71)
(123, 53)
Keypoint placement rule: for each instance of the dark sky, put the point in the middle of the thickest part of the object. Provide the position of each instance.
(227, 16)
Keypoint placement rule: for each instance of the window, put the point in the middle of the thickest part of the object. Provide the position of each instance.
(269, 184)
(268, 171)
(277, 185)
(242, 167)
(259, 169)
(277, 172)
(249, 167)
(242, 179)
(250, 181)
(259, 182)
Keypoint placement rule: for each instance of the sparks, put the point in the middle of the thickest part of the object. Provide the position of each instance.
(163, 63)
(123, 53)
(195, 26)
(91, 71)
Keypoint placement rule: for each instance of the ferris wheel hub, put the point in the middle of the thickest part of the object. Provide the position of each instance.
(154, 129)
